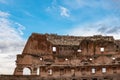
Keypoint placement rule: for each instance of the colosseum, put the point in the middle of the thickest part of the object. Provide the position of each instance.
(65, 57)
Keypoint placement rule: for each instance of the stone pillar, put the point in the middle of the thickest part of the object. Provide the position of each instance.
(39, 71)
(18, 71)
(78, 72)
(73, 72)
(34, 71)
(43, 71)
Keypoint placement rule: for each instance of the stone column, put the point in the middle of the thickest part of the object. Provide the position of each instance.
(34, 71)
(18, 71)
(39, 71)
(43, 71)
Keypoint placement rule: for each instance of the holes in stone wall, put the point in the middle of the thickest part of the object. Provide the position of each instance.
(90, 59)
(114, 69)
(94, 79)
(102, 49)
(113, 58)
(93, 70)
(41, 59)
(73, 72)
(50, 72)
(66, 59)
(74, 79)
(62, 71)
(79, 50)
(54, 49)
(26, 71)
(103, 70)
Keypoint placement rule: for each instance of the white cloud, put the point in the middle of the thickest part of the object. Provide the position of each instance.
(64, 11)
(53, 8)
(11, 43)
(108, 26)
(3, 14)
(58, 10)
(20, 28)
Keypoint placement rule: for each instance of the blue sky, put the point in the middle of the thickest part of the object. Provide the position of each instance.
(19, 18)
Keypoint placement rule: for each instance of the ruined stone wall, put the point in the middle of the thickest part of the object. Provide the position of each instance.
(66, 56)
(34, 77)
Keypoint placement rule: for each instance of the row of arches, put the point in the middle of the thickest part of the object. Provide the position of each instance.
(28, 71)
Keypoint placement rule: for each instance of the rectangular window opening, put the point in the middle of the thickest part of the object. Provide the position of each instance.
(102, 49)
(50, 72)
(79, 50)
(103, 70)
(54, 49)
(93, 70)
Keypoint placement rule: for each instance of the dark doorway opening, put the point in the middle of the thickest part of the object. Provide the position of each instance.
(94, 79)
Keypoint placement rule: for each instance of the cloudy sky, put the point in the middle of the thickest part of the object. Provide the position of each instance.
(19, 18)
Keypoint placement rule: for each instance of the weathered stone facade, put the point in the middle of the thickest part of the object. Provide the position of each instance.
(73, 57)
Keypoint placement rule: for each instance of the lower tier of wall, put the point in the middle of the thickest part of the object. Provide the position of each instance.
(34, 77)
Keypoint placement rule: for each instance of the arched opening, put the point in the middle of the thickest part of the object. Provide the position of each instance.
(50, 72)
(94, 79)
(73, 72)
(74, 79)
(26, 71)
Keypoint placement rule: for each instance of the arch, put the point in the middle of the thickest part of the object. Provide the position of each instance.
(26, 71)
(87, 46)
(103, 59)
